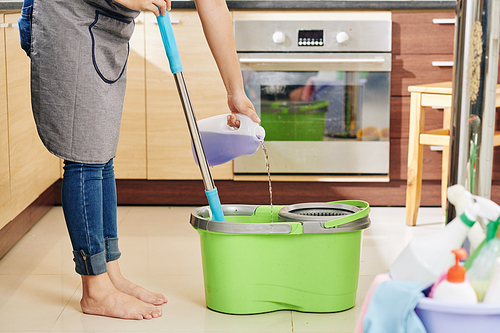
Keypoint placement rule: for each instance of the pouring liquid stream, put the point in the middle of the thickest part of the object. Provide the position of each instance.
(266, 156)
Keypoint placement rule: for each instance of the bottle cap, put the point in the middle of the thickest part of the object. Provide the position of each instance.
(456, 273)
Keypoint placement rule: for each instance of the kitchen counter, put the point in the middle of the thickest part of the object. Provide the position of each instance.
(297, 4)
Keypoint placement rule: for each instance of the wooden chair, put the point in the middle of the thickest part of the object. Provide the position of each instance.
(436, 95)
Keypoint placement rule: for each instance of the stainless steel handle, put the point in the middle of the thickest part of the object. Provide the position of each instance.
(312, 60)
(442, 63)
(444, 21)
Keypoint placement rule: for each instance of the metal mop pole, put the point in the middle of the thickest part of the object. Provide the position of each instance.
(474, 93)
(168, 38)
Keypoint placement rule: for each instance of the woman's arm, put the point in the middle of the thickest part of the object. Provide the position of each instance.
(218, 29)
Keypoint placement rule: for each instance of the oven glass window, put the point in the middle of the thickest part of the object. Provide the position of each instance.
(321, 105)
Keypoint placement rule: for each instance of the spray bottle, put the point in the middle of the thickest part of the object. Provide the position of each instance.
(482, 266)
(455, 288)
(223, 143)
(493, 293)
(426, 257)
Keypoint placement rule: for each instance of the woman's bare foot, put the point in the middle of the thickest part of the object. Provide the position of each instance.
(130, 288)
(100, 297)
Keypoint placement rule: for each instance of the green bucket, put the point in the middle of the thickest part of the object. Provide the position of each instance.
(294, 121)
(308, 264)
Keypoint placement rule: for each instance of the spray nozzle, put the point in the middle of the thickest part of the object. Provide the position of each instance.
(485, 208)
(472, 205)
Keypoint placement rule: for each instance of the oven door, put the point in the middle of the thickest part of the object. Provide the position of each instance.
(324, 113)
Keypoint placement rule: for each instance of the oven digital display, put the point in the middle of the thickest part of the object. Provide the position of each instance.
(310, 38)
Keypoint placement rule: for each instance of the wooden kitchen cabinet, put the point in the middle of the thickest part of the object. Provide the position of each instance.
(422, 52)
(424, 32)
(5, 209)
(31, 167)
(169, 154)
(130, 161)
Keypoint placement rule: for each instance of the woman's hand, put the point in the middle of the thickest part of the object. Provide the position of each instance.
(239, 103)
(155, 6)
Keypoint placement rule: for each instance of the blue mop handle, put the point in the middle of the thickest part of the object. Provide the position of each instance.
(215, 206)
(167, 35)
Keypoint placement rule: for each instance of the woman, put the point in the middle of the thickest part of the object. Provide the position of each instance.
(78, 52)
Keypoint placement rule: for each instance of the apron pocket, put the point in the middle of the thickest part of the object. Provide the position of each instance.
(110, 36)
(24, 24)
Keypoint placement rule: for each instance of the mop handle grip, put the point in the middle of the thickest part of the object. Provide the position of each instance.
(167, 35)
(215, 206)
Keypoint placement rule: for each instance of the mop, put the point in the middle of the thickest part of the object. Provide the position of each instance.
(167, 35)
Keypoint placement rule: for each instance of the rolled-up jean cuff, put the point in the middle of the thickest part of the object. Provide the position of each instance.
(90, 265)
(112, 250)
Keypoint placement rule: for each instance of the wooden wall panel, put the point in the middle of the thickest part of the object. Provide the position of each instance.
(33, 169)
(5, 207)
(130, 161)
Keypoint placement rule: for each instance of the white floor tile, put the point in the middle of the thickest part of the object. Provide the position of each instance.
(161, 251)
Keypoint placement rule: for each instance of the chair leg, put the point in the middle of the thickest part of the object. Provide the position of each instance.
(444, 177)
(445, 164)
(415, 159)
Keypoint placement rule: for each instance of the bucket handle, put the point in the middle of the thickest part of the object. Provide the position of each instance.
(365, 209)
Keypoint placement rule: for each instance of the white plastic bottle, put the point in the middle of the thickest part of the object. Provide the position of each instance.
(223, 143)
(427, 256)
(455, 288)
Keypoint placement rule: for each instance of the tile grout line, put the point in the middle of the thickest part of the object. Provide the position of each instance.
(65, 306)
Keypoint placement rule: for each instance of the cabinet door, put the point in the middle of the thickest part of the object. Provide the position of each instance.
(5, 208)
(410, 69)
(32, 168)
(429, 32)
(169, 144)
(130, 161)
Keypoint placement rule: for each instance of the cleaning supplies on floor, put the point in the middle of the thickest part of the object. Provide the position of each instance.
(458, 198)
(366, 302)
(482, 266)
(223, 143)
(426, 257)
(493, 293)
(392, 308)
(455, 288)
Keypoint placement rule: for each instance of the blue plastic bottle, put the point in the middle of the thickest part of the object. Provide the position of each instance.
(223, 143)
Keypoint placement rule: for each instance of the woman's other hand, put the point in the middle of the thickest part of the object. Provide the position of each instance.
(155, 6)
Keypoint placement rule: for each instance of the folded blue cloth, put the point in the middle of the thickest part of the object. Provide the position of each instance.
(392, 308)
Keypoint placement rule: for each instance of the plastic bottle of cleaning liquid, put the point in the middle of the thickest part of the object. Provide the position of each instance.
(455, 288)
(493, 292)
(223, 143)
(426, 257)
(481, 268)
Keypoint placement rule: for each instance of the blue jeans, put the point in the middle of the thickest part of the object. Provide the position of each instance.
(89, 206)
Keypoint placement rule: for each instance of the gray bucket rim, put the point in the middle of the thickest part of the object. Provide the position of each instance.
(200, 219)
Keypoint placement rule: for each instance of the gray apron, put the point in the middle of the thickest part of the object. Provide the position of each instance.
(79, 51)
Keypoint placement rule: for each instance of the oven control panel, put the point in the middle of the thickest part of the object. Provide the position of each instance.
(310, 38)
(313, 36)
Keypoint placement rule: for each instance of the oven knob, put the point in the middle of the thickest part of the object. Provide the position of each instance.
(342, 37)
(279, 37)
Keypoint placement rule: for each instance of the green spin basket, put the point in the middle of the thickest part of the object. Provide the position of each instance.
(301, 262)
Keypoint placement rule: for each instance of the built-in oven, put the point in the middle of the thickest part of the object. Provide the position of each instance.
(320, 83)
